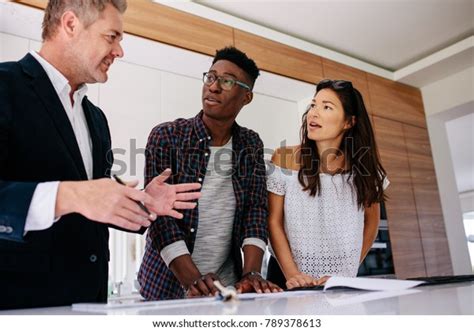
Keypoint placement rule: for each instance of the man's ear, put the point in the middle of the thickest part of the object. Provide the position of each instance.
(349, 124)
(69, 23)
(248, 97)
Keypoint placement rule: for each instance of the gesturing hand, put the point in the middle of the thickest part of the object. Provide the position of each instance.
(166, 198)
(104, 201)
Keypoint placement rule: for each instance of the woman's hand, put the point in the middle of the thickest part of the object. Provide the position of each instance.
(304, 280)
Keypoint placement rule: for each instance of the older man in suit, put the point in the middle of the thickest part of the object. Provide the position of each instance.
(56, 201)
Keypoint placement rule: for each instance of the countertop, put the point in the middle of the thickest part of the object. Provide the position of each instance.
(450, 299)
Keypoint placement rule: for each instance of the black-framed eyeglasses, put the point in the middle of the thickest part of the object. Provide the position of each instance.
(226, 83)
(335, 84)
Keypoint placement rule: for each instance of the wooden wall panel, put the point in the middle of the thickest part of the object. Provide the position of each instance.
(428, 204)
(402, 218)
(396, 101)
(34, 3)
(280, 59)
(334, 70)
(170, 26)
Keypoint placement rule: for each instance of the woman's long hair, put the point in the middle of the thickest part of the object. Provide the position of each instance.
(358, 145)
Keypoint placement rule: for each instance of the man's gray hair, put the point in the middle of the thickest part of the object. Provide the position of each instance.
(86, 10)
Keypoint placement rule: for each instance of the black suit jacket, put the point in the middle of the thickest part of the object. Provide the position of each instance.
(68, 262)
(14, 201)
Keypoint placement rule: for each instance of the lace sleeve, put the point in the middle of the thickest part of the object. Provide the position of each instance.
(275, 180)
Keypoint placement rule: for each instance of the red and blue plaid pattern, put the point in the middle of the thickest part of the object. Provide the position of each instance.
(183, 146)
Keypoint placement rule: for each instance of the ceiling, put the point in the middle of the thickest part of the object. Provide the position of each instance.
(388, 34)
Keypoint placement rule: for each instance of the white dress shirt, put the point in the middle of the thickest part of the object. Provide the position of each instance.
(41, 212)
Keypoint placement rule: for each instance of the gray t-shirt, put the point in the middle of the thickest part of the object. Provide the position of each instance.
(213, 244)
(216, 217)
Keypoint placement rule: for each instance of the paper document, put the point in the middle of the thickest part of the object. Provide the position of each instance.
(371, 284)
(134, 304)
(117, 306)
(286, 294)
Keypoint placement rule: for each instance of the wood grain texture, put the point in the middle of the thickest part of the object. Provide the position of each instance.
(334, 70)
(402, 218)
(396, 101)
(170, 26)
(428, 204)
(280, 59)
(34, 3)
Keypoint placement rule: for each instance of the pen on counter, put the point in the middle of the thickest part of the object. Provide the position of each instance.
(225, 293)
(141, 205)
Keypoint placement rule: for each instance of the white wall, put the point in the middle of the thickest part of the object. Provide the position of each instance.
(450, 92)
(445, 100)
(467, 202)
(151, 84)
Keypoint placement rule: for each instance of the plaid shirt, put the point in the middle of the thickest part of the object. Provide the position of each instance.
(183, 146)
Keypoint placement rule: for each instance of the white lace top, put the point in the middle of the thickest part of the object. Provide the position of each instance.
(324, 232)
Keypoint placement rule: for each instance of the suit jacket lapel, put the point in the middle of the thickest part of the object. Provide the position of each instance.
(94, 131)
(43, 87)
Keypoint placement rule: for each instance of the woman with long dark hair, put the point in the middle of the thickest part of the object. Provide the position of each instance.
(324, 194)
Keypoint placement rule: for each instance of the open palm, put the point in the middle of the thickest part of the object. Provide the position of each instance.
(168, 198)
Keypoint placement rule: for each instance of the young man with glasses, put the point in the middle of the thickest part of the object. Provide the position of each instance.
(182, 259)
